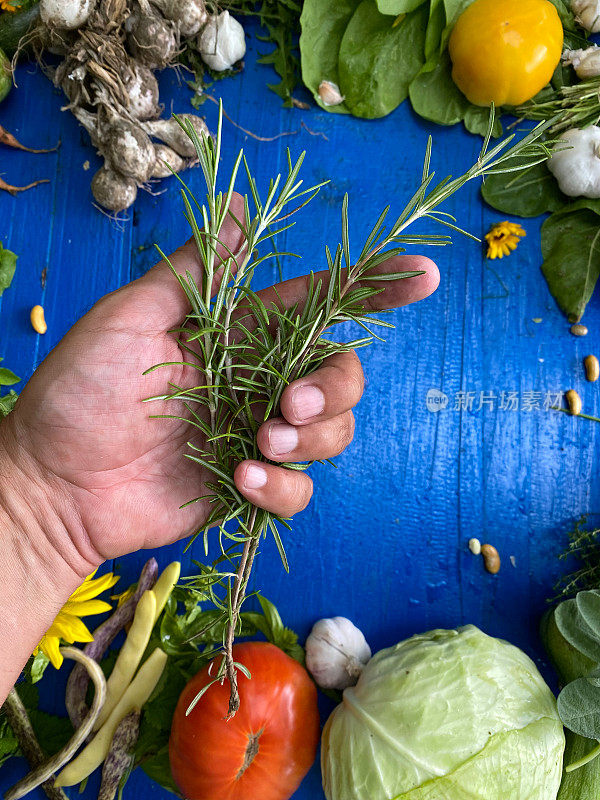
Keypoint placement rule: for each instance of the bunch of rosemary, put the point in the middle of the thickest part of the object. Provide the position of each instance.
(575, 106)
(584, 548)
(246, 353)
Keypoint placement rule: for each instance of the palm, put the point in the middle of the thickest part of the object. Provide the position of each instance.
(85, 422)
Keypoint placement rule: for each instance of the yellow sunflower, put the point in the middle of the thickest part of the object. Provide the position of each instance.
(502, 238)
(67, 625)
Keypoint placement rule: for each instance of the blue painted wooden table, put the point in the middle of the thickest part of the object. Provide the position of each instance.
(384, 541)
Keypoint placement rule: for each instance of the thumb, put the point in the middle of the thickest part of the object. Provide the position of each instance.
(168, 300)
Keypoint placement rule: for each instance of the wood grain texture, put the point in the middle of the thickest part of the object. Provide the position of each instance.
(384, 541)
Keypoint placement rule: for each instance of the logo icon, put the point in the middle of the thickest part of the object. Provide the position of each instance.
(436, 400)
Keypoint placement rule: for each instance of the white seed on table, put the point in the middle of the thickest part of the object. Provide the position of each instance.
(475, 546)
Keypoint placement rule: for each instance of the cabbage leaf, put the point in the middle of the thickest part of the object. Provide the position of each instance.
(443, 714)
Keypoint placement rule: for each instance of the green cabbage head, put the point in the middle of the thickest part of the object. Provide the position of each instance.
(448, 715)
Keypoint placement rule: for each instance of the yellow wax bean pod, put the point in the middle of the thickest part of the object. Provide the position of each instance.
(130, 654)
(164, 586)
(136, 694)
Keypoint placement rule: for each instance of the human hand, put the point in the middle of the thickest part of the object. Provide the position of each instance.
(115, 476)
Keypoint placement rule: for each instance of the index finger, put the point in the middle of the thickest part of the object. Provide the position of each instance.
(396, 293)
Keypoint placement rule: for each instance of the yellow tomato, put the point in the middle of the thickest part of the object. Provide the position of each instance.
(505, 51)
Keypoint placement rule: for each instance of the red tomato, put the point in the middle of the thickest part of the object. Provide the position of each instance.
(266, 749)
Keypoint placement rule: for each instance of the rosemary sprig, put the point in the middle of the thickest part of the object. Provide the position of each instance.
(584, 546)
(247, 353)
(574, 106)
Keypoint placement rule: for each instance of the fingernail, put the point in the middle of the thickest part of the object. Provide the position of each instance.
(307, 402)
(255, 478)
(282, 438)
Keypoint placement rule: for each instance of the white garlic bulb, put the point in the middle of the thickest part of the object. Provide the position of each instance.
(587, 14)
(336, 653)
(577, 167)
(330, 94)
(222, 42)
(586, 63)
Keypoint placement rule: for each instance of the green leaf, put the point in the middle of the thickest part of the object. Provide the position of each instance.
(38, 666)
(454, 8)
(588, 605)
(7, 377)
(433, 34)
(15, 26)
(378, 60)
(576, 630)
(8, 744)
(158, 768)
(435, 96)
(396, 7)
(5, 75)
(323, 25)
(571, 251)
(566, 15)
(272, 617)
(8, 264)
(7, 403)
(579, 708)
(52, 732)
(582, 784)
(568, 661)
(527, 193)
(477, 120)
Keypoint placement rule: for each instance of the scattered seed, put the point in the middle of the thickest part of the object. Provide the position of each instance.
(86, 165)
(37, 319)
(579, 330)
(573, 402)
(475, 546)
(536, 320)
(513, 561)
(592, 368)
(491, 559)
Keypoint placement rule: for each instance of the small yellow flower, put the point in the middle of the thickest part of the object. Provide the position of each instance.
(67, 625)
(5, 5)
(502, 238)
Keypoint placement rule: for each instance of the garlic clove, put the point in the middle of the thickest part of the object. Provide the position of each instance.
(586, 63)
(222, 42)
(329, 93)
(336, 653)
(587, 14)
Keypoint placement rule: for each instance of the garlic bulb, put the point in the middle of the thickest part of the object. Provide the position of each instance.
(336, 653)
(586, 63)
(222, 42)
(587, 14)
(329, 93)
(577, 169)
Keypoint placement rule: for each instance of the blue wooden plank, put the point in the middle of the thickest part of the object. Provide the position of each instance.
(385, 538)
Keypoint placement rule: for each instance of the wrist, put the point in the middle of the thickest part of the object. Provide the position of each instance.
(40, 566)
(42, 514)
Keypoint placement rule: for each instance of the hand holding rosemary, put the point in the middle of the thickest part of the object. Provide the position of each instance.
(90, 476)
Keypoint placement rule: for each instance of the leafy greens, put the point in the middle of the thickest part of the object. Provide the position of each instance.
(570, 236)
(8, 265)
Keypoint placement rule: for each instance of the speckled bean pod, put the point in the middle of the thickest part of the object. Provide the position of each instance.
(18, 719)
(43, 772)
(120, 755)
(103, 635)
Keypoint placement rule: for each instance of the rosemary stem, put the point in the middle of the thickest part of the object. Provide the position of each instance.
(237, 599)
